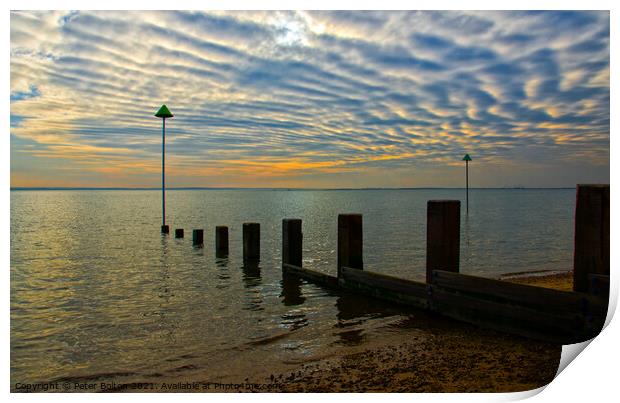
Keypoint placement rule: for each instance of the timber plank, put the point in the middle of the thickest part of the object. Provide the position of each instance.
(381, 286)
(311, 275)
(598, 285)
(539, 298)
(564, 328)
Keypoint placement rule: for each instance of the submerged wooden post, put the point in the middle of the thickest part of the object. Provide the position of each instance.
(165, 229)
(178, 233)
(197, 237)
(291, 241)
(591, 234)
(251, 241)
(221, 241)
(443, 222)
(350, 242)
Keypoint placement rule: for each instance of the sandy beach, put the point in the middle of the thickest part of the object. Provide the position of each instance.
(457, 357)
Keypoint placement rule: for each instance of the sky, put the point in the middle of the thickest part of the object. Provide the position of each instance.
(319, 99)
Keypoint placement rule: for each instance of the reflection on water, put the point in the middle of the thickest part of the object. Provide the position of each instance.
(354, 311)
(252, 296)
(294, 320)
(291, 290)
(98, 293)
(223, 275)
(466, 257)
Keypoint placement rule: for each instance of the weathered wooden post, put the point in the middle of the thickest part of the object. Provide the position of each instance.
(591, 235)
(443, 226)
(197, 237)
(221, 241)
(350, 242)
(178, 233)
(251, 241)
(291, 241)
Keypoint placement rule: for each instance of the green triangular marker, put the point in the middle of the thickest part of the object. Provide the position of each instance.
(164, 112)
(465, 158)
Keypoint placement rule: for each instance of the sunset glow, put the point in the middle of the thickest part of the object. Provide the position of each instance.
(310, 99)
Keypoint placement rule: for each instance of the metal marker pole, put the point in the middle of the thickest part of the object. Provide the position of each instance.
(163, 113)
(467, 186)
(163, 171)
(467, 158)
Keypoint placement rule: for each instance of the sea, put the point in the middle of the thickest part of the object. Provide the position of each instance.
(98, 296)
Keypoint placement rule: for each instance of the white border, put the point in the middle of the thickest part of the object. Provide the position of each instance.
(592, 375)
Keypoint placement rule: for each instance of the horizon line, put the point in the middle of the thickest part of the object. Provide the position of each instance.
(278, 188)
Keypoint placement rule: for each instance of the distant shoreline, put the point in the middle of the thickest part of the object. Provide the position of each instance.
(304, 189)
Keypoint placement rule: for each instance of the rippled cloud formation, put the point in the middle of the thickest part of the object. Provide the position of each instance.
(310, 99)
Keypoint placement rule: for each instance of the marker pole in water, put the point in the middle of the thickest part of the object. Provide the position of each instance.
(163, 113)
(163, 172)
(467, 158)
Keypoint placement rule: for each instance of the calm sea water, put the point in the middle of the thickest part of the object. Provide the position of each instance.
(98, 294)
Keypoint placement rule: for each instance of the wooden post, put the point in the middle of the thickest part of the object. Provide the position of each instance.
(291, 241)
(221, 241)
(251, 241)
(165, 229)
(443, 222)
(197, 237)
(591, 234)
(350, 242)
(178, 233)
(598, 285)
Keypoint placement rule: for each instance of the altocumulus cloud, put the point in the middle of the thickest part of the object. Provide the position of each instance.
(310, 99)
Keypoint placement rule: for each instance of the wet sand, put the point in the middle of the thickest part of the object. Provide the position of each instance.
(454, 357)
(560, 281)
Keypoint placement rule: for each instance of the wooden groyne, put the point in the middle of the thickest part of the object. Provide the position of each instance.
(541, 313)
(564, 317)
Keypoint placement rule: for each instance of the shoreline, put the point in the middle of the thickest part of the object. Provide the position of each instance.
(429, 354)
(456, 357)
